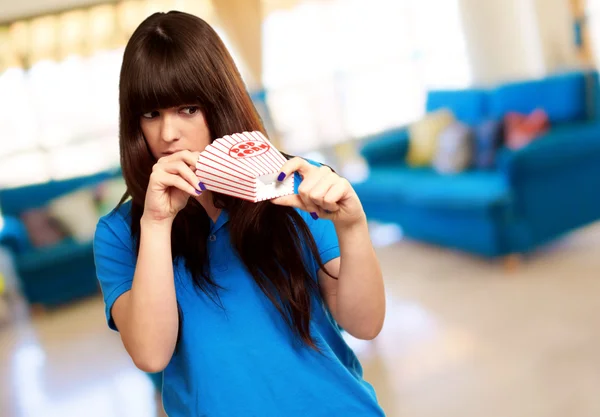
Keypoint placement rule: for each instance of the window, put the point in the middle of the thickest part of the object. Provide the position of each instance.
(341, 69)
(62, 119)
(61, 116)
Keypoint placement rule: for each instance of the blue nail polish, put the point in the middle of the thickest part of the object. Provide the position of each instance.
(202, 186)
(314, 215)
(281, 176)
(327, 211)
(198, 192)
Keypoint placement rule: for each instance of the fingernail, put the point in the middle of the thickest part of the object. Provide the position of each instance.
(281, 176)
(327, 211)
(198, 192)
(314, 215)
(202, 186)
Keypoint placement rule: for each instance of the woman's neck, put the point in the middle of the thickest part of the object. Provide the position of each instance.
(206, 200)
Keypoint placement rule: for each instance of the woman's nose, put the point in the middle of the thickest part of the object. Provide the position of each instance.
(169, 131)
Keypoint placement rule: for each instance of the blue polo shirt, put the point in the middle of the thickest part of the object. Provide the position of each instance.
(242, 360)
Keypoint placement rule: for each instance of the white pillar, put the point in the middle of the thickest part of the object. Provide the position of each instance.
(557, 33)
(518, 39)
(502, 38)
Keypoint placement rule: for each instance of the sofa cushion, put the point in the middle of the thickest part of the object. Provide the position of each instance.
(488, 139)
(468, 106)
(424, 135)
(455, 149)
(42, 229)
(77, 213)
(425, 187)
(563, 97)
(521, 129)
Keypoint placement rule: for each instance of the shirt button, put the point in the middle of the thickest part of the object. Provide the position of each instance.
(212, 238)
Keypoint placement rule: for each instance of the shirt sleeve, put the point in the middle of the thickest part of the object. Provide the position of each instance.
(115, 260)
(325, 237)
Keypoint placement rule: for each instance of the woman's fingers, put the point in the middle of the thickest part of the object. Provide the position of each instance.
(190, 158)
(180, 167)
(316, 182)
(165, 180)
(337, 192)
(319, 194)
(296, 164)
(309, 190)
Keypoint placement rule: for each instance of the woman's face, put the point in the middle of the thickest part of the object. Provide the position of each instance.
(175, 129)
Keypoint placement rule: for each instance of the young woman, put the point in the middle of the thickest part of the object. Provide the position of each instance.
(240, 303)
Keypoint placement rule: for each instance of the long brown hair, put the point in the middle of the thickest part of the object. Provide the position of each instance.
(177, 58)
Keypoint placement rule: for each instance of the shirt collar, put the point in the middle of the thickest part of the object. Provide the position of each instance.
(221, 221)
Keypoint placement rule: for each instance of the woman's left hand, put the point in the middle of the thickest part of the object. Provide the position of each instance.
(322, 193)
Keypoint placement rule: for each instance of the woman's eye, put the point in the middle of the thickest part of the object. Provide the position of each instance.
(150, 115)
(190, 110)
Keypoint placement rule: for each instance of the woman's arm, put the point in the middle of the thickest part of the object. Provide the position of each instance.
(146, 316)
(357, 298)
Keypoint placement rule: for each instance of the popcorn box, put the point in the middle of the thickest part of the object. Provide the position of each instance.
(244, 165)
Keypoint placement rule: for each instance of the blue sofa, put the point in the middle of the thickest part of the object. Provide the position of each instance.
(532, 196)
(54, 275)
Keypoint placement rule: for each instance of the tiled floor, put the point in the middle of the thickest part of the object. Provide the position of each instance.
(462, 338)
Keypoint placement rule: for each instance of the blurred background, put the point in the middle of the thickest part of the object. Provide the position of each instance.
(470, 130)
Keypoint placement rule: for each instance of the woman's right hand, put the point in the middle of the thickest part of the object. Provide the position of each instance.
(172, 182)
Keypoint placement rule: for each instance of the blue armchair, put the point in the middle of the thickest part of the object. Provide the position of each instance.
(532, 196)
(54, 275)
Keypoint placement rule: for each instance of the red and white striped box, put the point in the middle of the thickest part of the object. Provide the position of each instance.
(244, 165)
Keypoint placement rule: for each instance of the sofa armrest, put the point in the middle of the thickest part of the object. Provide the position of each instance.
(13, 235)
(563, 146)
(386, 148)
(554, 183)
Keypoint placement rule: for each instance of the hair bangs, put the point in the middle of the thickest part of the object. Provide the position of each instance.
(165, 78)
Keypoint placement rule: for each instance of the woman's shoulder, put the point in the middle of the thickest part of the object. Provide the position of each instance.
(117, 221)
